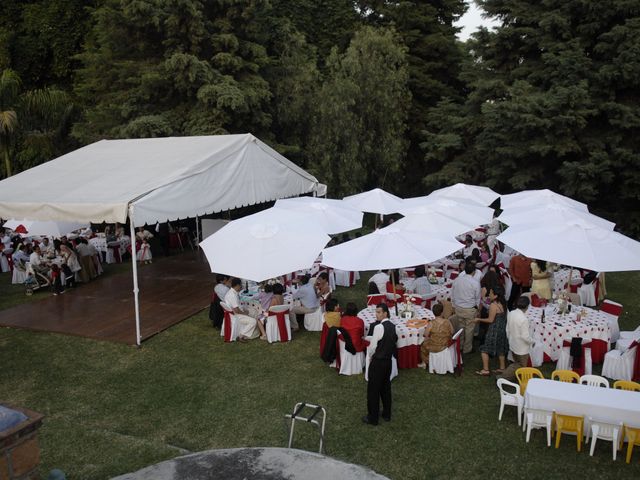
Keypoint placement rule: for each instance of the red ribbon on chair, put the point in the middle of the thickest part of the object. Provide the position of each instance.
(282, 325)
(458, 352)
(352, 279)
(227, 326)
(635, 376)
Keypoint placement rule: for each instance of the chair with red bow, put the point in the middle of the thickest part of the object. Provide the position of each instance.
(229, 325)
(613, 311)
(449, 359)
(313, 321)
(278, 326)
(350, 363)
(565, 361)
(376, 299)
(623, 365)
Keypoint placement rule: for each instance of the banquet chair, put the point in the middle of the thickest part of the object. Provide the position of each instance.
(626, 385)
(513, 399)
(587, 294)
(392, 299)
(604, 431)
(632, 435)
(568, 376)
(594, 381)
(627, 338)
(429, 299)
(19, 273)
(313, 321)
(454, 275)
(278, 327)
(565, 360)
(441, 362)
(619, 365)
(376, 298)
(524, 374)
(569, 424)
(613, 310)
(229, 328)
(350, 364)
(535, 418)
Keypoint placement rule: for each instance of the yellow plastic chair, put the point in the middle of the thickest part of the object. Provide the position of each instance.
(569, 424)
(632, 434)
(524, 374)
(627, 385)
(568, 376)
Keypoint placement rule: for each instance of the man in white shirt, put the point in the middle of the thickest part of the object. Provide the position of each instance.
(46, 248)
(248, 326)
(519, 338)
(380, 279)
(465, 296)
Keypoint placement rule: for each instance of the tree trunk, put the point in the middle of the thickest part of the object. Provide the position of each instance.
(7, 163)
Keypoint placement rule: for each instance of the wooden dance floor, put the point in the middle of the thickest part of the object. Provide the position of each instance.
(171, 290)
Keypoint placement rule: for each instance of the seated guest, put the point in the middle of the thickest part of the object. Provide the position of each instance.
(19, 255)
(248, 325)
(420, 285)
(223, 283)
(70, 264)
(485, 253)
(394, 276)
(216, 314)
(332, 314)
(437, 335)
(354, 326)
(37, 262)
(278, 295)
(265, 296)
(46, 248)
(309, 301)
(475, 255)
(380, 279)
(322, 287)
(109, 235)
(467, 250)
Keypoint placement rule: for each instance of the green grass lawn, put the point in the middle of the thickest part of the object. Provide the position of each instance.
(112, 409)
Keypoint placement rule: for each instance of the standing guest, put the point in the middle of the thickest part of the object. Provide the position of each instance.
(380, 279)
(163, 234)
(437, 335)
(309, 301)
(520, 271)
(354, 326)
(332, 315)
(465, 296)
(383, 345)
(496, 343)
(70, 265)
(519, 338)
(248, 325)
(56, 280)
(541, 279)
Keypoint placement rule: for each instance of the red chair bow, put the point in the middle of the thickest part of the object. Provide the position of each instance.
(282, 325)
(579, 370)
(227, 326)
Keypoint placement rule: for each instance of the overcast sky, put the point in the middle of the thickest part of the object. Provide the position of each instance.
(472, 20)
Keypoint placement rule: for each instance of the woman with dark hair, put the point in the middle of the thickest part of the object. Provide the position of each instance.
(495, 343)
(541, 279)
(278, 295)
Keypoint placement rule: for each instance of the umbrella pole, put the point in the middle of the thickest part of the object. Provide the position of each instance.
(393, 282)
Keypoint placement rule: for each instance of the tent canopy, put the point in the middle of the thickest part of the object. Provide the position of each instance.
(162, 178)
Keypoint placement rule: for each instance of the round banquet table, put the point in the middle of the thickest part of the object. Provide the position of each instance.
(558, 328)
(409, 339)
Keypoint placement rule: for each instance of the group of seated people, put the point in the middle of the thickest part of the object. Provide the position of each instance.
(382, 282)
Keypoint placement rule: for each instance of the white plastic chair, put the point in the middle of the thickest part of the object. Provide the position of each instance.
(594, 381)
(272, 329)
(604, 431)
(513, 399)
(313, 321)
(565, 360)
(350, 364)
(619, 365)
(534, 418)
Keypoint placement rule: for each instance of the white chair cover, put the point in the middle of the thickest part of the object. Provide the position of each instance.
(350, 364)
(313, 321)
(272, 329)
(565, 360)
(441, 362)
(588, 294)
(19, 274)
(234, 324)
(619, 365)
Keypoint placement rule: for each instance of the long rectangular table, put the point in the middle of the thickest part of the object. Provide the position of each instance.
(604, 404)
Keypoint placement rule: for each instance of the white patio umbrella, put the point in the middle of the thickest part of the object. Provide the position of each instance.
(470, 214)
(470, 193)
(335, 216)
(265, 245)
(551, 213)
(44, 228)
(433, 221)
(375, 201)
(389, 247)
(533, 198)
(577, 244)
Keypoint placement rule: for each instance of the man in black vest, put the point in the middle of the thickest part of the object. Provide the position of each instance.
(383, 345)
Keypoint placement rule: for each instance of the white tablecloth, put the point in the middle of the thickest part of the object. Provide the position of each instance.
(558, 328)
(100, 244)
(406, 336)
(560, 279)
(604, 404)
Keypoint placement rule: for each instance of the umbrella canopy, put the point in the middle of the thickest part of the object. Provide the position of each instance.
(470, 193)
(335, 216)
(265, 245)
(470, 214)
(433, 222)
(552, 213)
(44, 228)
(389, 247)
(576, 244)
(533, 198)
(375, 201)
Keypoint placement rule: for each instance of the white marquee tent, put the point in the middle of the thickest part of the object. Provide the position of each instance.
(153, 180)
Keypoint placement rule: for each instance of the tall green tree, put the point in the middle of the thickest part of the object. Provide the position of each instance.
(361, 114)
(555, 103)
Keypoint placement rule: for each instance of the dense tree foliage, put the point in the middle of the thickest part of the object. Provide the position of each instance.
(361, 92)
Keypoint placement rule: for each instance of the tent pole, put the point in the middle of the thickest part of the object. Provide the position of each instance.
(197, 231)
(134, 265)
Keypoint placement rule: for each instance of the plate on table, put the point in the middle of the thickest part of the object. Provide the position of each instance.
(416, 323)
